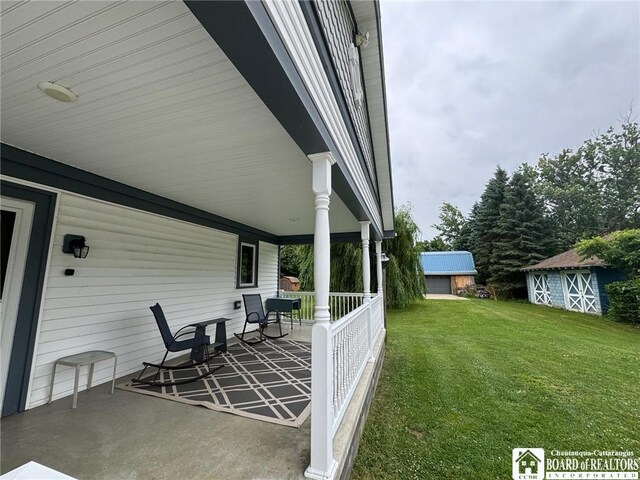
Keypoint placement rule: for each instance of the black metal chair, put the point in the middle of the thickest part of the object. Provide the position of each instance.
(171, 342)
(254, 309)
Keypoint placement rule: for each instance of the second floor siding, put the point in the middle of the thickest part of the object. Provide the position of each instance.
(339, 29)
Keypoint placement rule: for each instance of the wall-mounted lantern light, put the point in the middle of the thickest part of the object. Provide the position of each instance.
(75, 244)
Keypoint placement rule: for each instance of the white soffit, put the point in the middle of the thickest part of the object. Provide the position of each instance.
(365, 14)
(160, 107)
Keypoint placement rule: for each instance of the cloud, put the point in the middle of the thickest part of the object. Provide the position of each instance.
(471, 85)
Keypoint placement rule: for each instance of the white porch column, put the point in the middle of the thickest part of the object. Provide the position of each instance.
(366, 267)
(322, 465)
(379, 265)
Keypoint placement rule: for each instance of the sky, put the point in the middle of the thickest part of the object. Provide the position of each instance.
(473, 85)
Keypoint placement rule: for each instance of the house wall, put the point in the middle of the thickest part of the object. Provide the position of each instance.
(338, 26)
(289, 20)
(135, 260)
(603, 277)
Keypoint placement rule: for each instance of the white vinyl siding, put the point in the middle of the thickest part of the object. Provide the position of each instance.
(136, 259)
(292, 27)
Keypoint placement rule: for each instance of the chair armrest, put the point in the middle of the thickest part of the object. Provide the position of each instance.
(195, 332)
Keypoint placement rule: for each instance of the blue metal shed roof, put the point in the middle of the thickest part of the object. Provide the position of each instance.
(448, 263)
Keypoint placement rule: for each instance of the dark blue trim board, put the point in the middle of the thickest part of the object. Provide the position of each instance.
(347, 237)
(34, 168)
(24, 341)
(245, 33)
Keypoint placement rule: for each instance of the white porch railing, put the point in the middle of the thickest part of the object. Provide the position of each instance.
(354, 337)
(340, 304)
(341, 349)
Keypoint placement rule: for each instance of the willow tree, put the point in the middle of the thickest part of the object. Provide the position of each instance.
(404, 276)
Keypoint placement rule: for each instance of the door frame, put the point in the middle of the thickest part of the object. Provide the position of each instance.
(24, 343)
(14, 275)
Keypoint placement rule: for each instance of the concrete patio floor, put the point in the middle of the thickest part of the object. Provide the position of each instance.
(132, 436)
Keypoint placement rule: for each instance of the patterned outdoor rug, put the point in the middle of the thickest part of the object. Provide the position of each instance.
(270, 381)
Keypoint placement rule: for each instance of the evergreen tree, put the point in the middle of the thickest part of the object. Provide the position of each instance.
(524, 236)
(485, 225)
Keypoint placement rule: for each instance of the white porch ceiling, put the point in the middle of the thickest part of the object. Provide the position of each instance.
(160, 107)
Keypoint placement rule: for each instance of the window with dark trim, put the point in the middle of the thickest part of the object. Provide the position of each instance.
(247, 275)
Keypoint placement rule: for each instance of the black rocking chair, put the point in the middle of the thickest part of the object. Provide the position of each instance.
(171, 342)
(255, 314)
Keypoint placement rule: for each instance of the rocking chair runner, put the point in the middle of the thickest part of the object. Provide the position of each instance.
(172, 344)
(254, 309)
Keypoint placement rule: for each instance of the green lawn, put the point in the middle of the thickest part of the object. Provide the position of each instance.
(464, 383)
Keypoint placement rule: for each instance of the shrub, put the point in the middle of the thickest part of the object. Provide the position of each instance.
(624, 301)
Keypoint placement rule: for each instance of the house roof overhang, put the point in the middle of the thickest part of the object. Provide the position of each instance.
(367, 15)
(126, 123)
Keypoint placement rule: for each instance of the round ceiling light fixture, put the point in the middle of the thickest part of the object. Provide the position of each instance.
(58, 92)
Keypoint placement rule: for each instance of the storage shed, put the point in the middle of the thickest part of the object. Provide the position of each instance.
(448, 272)
(570, 282)
(289, 284)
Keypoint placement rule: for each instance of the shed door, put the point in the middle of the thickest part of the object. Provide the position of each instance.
(439, 284)
(579, 292)
(541, 294)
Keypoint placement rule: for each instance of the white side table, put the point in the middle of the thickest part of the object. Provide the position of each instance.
(78, 360)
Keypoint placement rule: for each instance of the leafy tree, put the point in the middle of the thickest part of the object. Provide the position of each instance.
(465, 238)
(404, 272)
(452, 222)
(620, 249)
(525, 236)
(290, 260)
(297, 261)
(485, 225)
(346, 267)
(405, 278)
(595, 189)
(436, 244)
